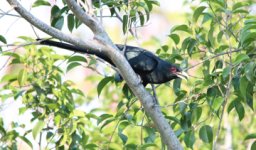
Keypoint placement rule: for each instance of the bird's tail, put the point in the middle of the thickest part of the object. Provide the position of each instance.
(74, 48)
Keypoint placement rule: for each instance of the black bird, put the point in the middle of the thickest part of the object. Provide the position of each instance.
(149, 67)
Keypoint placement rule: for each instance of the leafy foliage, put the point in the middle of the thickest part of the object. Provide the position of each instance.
(217, 43)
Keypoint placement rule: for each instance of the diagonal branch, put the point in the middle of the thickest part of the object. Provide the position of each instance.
(215, 56)
(103, 42)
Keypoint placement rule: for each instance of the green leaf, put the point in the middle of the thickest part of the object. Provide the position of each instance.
(58, 22)
(250, 136)
(142, 19)
(123, 137)
(22, 77)
(189, 139)
(71, 22)
(239, 5)
(23, 138)
(41, 3)
(183, 27)
(22, 110)
(207, 17)
(243, 86)
(78, 113)
(55, 12)
(151, 136)
(226, 72)
(38, 128)
(72, 65)
(9, 78)
(219, 36)
(249, 69)
(103, 117)
(198, 12)
(175, 38)
(147, 145)
(103, 83)
(90, 146)
(191, 46)
(253, 147)
(239, 109)
(217, 103)
(231, 106)
(240, 58)
(49, 136)
(185, 43)
(176, 86)
(2, 39)
(206, 134)
(247, 37)
(211, 35)
(165, 48)
(77, 58)
(125, 23)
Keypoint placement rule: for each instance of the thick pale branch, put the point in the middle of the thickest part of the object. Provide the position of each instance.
(90, 21)
(105, 44)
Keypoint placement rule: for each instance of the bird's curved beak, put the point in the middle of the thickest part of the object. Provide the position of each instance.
(182, 75)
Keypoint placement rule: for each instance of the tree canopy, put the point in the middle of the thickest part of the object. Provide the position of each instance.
(213, 109)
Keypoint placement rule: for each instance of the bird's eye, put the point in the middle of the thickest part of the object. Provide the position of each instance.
(173, 70)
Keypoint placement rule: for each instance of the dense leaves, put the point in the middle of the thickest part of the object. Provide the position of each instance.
(216, 45)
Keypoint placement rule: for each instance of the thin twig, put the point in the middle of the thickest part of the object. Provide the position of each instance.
(215, 56)
(141, 129)
(228, 89)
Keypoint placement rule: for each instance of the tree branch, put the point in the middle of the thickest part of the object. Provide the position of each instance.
(103, 42)
(215, 56)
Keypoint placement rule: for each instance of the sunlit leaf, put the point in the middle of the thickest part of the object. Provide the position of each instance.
(41, 3)
(77, 58)
(250, 136)
(22, 77)
(217, 103)
(198, 12)
(38, 128)
(183, 27)
(175, 38)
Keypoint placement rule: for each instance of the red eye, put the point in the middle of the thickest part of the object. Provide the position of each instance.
(173, 70)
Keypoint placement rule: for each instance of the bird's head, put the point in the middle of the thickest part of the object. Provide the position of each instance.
(176, 71)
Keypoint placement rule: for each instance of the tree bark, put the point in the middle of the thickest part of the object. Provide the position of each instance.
(102, 42)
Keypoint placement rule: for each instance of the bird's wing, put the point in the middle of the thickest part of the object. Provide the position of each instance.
(141, 60)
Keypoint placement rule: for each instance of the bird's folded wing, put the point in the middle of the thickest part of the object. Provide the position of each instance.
(141, 61)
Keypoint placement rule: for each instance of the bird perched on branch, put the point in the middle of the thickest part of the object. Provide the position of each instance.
(150, 68)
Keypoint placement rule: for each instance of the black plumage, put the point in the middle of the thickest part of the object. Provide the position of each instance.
(148, 66)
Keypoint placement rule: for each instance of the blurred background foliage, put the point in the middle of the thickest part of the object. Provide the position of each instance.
(213, 40)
